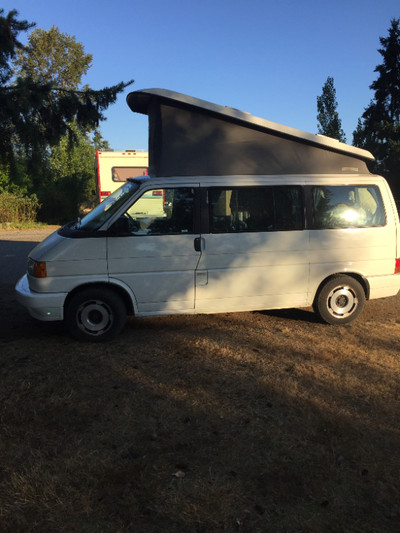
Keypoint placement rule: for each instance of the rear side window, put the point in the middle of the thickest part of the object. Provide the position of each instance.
(255, 209)
(357, 206)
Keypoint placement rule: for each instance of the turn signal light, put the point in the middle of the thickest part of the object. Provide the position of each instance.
(39, 269)
(397, 266)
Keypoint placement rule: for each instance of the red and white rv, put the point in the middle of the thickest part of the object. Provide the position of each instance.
(113, 168)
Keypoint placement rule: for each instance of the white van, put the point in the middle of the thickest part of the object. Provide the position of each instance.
(221, 243)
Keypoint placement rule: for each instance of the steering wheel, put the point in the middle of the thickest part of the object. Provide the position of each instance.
(133, 224)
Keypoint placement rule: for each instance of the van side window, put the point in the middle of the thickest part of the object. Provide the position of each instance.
(255, 209)
(162, 212)
(347, 207)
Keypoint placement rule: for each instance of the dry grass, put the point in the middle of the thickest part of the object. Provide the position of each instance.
(250, 422)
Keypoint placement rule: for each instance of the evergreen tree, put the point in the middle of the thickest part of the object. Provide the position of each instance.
(10, 27)
(379, 128)
(329, 122)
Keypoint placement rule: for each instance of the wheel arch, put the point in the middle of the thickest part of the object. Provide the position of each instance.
(358, 277)
(120, 290)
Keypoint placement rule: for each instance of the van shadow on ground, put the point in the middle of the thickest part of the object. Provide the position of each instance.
(13, 258)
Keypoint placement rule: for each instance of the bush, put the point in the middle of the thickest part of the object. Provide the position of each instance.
(63, 200)
(16, 208)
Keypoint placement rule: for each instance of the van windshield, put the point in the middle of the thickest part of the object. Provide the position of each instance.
(105, 210)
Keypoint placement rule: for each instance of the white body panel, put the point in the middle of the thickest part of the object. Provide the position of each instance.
(253, 271)
(365, 251)
(70, 262)
(158, 269)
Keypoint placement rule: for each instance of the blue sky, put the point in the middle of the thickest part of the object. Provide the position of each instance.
(267, 57)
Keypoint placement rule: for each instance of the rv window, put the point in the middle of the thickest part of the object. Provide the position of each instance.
(255, 209)
(347, 207)
(163, 212)
(121, 174)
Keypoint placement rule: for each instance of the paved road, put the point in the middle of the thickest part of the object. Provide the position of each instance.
(14, 249)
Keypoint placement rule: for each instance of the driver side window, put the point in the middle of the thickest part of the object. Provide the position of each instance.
(162, 212)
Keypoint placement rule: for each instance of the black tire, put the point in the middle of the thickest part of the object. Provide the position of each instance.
(340, 300)
(95, 315)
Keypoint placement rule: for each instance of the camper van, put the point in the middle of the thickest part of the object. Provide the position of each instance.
(325, 236)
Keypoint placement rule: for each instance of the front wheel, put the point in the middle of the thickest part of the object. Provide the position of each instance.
(340, 300)
(95, 314)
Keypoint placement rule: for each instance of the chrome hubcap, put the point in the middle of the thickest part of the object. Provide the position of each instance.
(94, 317)
(342, 302)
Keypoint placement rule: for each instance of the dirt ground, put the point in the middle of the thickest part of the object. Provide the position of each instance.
(250, 422)
(34, 235)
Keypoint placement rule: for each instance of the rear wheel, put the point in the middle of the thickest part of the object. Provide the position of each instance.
(340, 300)
(95, 314)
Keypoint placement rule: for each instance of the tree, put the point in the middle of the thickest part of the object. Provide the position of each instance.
(379, 128)
(53, 57)
(70, 186)
(37, 113)
(328, 117)
(9, 44)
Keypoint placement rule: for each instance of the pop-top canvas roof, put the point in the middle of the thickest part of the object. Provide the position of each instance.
(192, 137)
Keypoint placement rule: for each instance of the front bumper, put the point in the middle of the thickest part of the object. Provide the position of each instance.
(43, 306)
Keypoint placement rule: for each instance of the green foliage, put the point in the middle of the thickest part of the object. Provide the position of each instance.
(329, 122)
(379, 128)
(4, 178)
(71, 187)
(17, 182)
(38, 116)
(53, 57)
(61, 200)
(9, 44)
(15, 208)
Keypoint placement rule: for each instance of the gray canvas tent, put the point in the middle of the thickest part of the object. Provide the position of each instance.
(192, 137)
